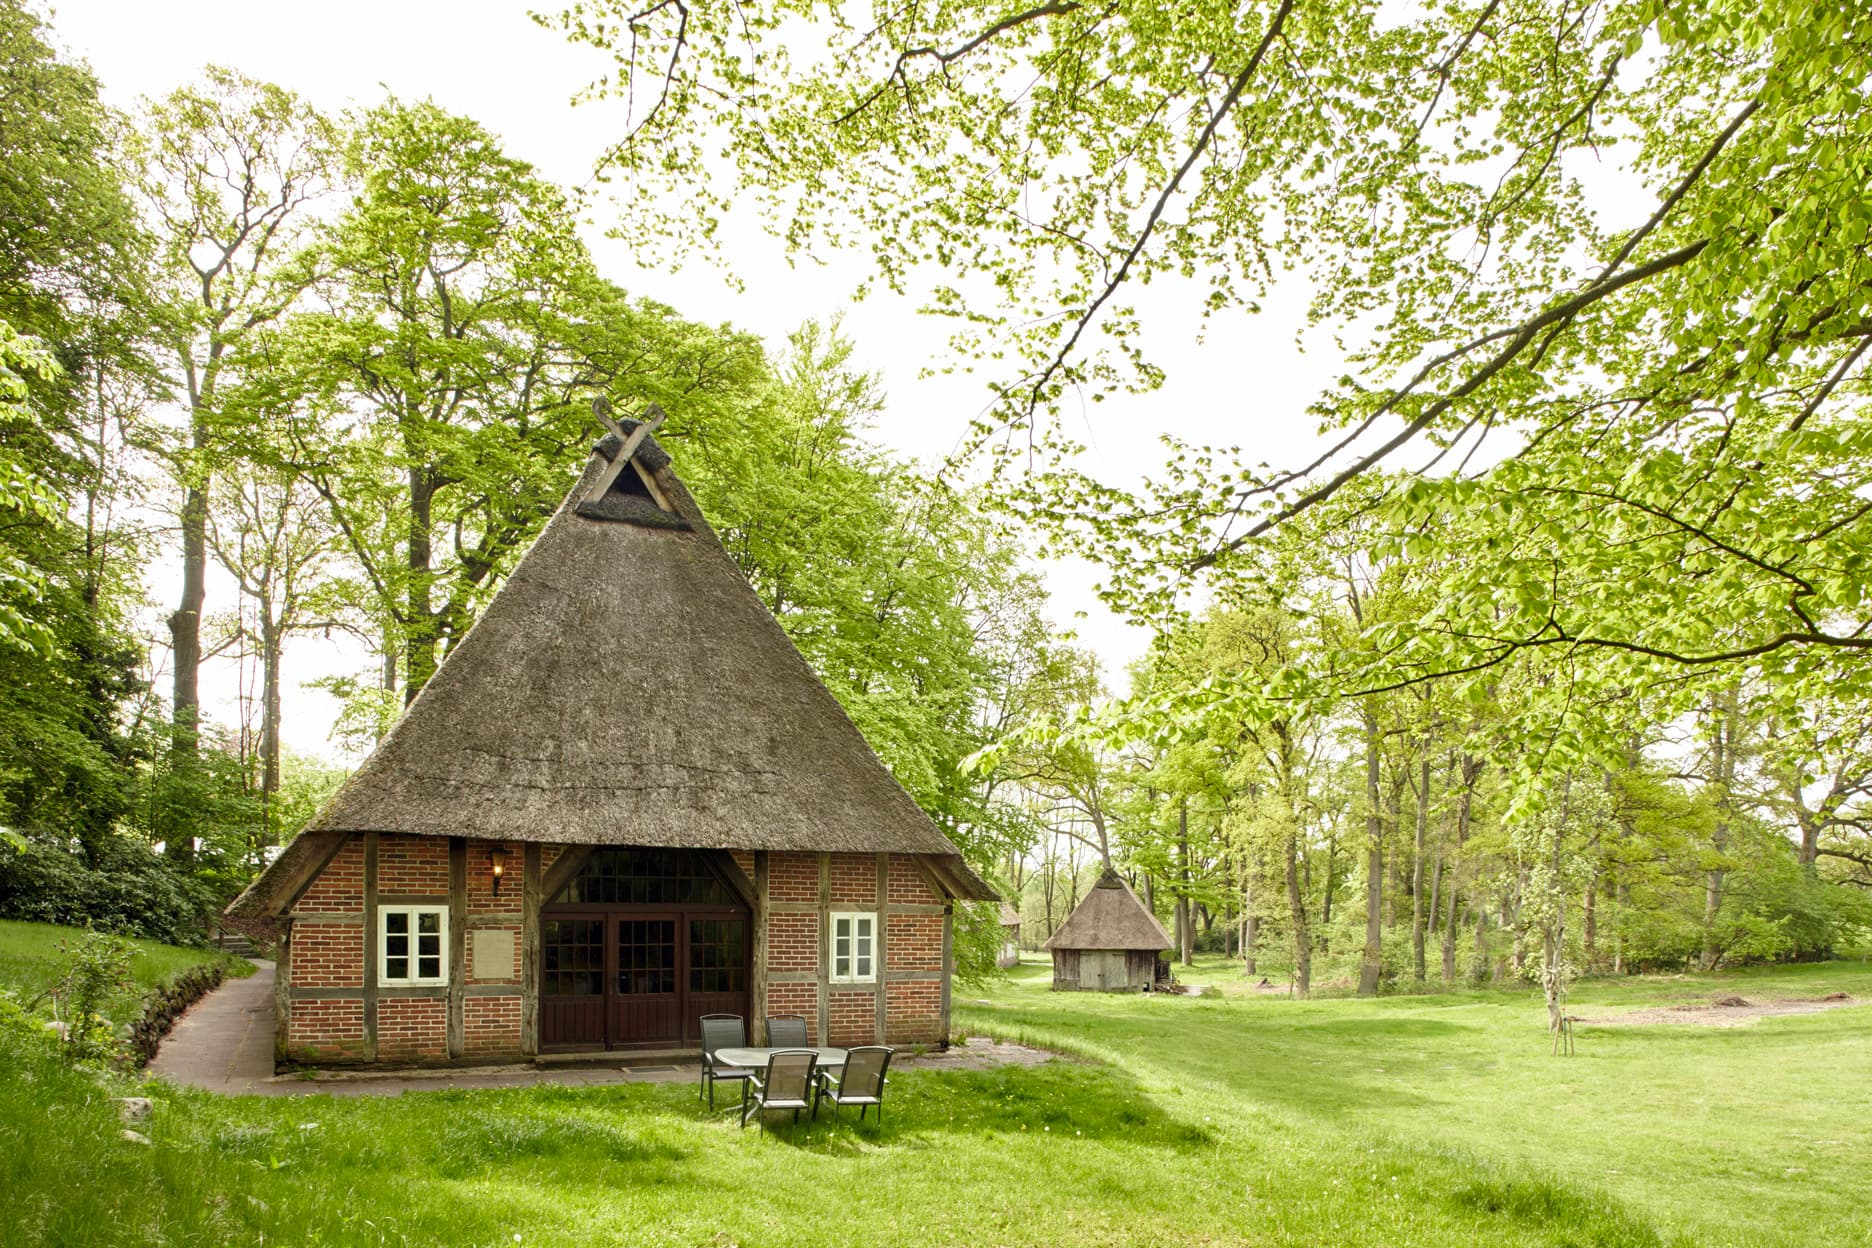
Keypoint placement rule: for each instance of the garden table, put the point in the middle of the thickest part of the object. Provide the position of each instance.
(756, 1059)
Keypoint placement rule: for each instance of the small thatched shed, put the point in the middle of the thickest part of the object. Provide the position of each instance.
(623, 802)
(1110, 943)
(1010, 937)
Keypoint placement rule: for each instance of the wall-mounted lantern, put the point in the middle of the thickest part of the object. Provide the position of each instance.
(497, 866)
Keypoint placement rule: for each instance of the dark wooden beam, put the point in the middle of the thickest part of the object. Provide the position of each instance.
(757, 974)
(291, 889)
(825, 949)
(948, 971)
(458, 943)
(531, 886)
(564, 867)
(878, 950)
(370, 946)
(282, 1000)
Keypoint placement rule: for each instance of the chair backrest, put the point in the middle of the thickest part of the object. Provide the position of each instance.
(790, 1074)
(864, 1070)
(787, 1031)
(723, 1031)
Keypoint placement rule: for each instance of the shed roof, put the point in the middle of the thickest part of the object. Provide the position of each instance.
(627, 686)
(1110, 917)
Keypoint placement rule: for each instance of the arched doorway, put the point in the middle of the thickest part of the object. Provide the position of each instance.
(636, 947)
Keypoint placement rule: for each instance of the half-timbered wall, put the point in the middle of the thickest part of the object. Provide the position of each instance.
(333, 1009)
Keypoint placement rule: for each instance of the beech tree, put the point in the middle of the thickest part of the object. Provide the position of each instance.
(440, 379)
(227, 171)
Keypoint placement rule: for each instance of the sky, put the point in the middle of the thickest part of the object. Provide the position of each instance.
(1245, 383)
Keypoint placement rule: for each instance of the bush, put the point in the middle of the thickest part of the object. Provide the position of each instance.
(129, 890)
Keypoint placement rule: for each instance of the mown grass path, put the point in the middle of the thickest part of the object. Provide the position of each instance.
(1746, 1135)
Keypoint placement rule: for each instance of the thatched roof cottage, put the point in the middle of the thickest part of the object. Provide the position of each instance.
(622, 802)
(1110, 942)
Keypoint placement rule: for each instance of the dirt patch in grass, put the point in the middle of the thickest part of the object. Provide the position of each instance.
(1722, 1012)
(978, 1053)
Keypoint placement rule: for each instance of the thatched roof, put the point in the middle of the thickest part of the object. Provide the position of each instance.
(1010, 917)
(1110, 917)
(627, 686)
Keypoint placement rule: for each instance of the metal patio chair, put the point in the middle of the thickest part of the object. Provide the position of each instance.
(861, 1083)
(721, 1031)
(787, 1084)
(787, 1031)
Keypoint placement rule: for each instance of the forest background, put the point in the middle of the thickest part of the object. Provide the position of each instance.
(1428, 725)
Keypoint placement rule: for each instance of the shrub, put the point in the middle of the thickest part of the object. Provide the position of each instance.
(128, 889)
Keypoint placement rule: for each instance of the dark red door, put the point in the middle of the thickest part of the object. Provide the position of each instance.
(637, 948)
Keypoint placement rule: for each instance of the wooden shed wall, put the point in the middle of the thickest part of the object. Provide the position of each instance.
(1103, 970)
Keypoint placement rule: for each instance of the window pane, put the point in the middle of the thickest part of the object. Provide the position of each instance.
(396, 946)
(396, 967)
(396, 921)
(428, 945)
(430, 967)
(572, 957)
(864, 966)
(429, 921)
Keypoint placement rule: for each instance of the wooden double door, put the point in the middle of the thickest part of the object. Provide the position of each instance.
(637, 948)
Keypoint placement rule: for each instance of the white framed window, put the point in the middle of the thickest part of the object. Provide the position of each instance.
(854, 947)
(412, 944)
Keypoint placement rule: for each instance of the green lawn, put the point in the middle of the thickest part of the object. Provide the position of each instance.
(1413, 1121)
(31, 961)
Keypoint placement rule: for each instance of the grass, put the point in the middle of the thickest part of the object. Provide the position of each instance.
(31, 961)
(1230, 1121)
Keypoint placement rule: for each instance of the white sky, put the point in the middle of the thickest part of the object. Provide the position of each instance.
(1246, 386)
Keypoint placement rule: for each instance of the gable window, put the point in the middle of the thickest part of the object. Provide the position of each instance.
(411, 944)
(854, 948)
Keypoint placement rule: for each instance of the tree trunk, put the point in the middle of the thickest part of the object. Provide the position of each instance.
(1417, 871)
(1722, 773)
(1589, 924)
(1332, 852)
(1185, 930)
(271, 653)
(1371, 962)
(1251, 922)
(421, 624)
(185, 627)
(1297, 915)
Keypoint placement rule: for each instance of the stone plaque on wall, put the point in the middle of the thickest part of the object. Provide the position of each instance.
(493, 954)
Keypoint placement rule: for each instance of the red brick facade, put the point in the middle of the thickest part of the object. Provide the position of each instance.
(336, 1012)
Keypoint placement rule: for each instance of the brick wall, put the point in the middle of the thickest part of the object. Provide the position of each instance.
(412, 1029)
(912, 945)
(795, 999)
(854, 882)
(914, 1011)
(490, 1027)
(907, 885)
(414, 865)
(793, 877)
(481, 898)
(339, 888)
(326, 1031)
(793, 942)
(853, 1017)
(327, 953)
(913, 942)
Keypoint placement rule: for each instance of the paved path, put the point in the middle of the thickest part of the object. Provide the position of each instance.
(224, 1043)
